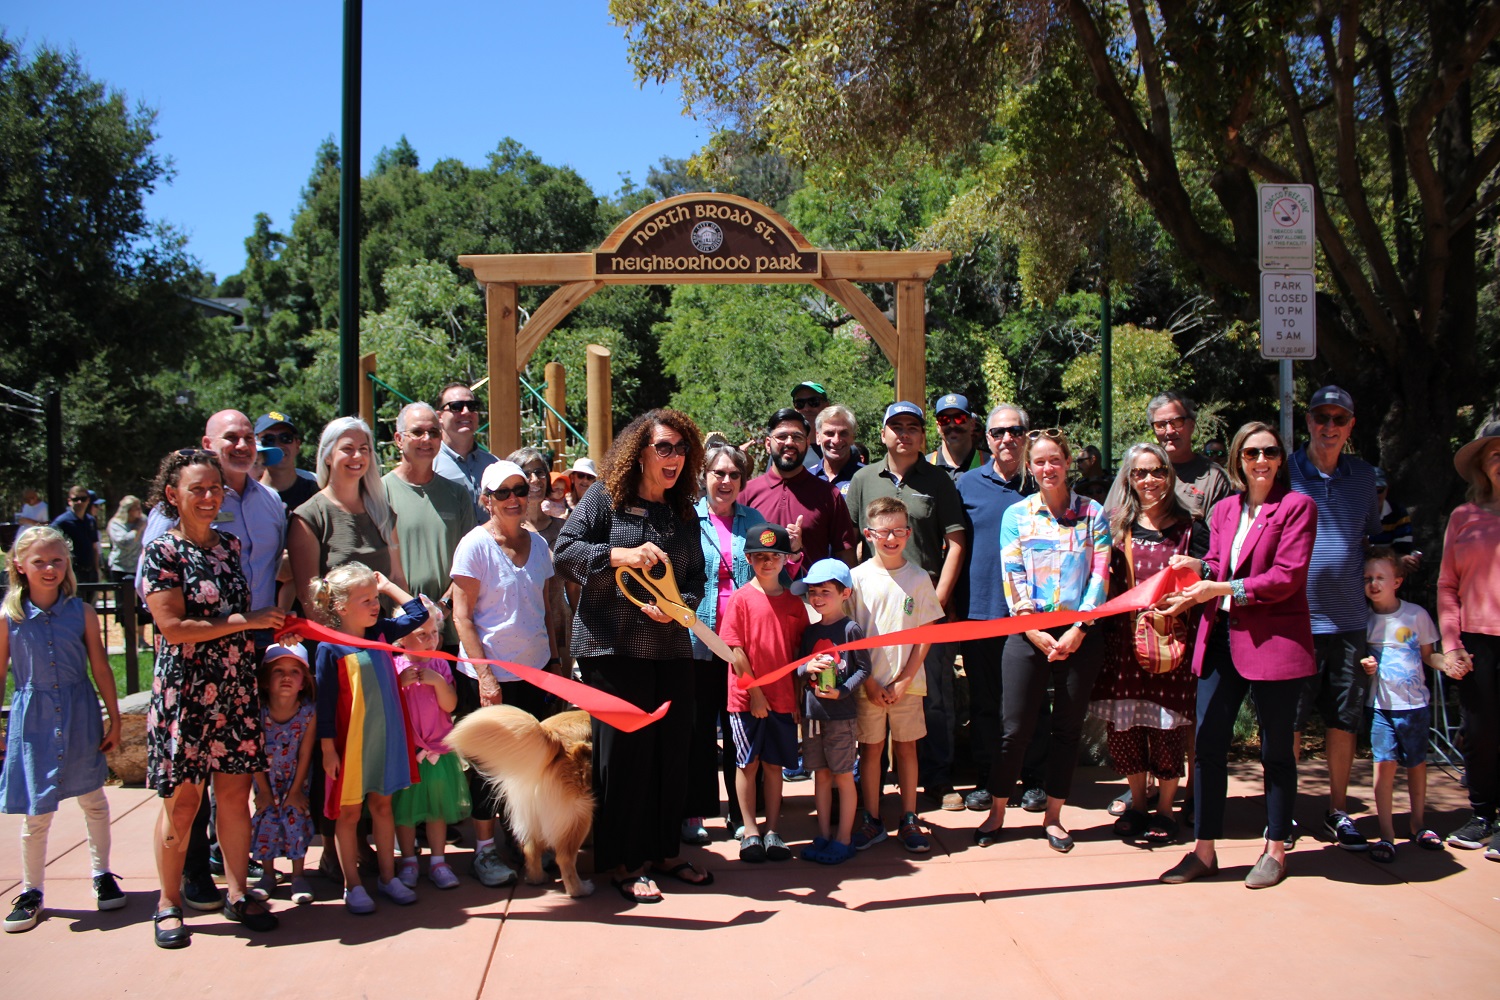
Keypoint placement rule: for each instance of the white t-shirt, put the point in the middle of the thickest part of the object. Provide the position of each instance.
(34, 511)
(1396, 640)
(889, 601)
(511, 612)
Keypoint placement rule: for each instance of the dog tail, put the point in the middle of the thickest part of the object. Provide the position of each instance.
(504, 742)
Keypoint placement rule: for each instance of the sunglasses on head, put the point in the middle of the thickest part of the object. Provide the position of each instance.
(1054, 433)
(1336, 419)
(664, 450)
(949, 419)
(506, 492)
(1014, 430)
(459, 405)
(1254, 454)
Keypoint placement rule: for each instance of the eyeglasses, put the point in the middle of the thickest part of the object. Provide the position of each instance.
(1336, 419)
(1014, 430)
(664, 450)
(1175, 423)
(1155, 472)
(1054, 433)
(1254, 454)
(422, 432)
(732, 475)
(949, 419)
(506, 492)
(459, 405)
(887, 533)
(807, 402)
(796, 437)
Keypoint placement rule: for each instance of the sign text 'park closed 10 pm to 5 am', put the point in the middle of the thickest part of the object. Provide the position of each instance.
(1288, 307)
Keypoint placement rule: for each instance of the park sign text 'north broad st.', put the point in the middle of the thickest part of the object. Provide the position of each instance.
(706, 236)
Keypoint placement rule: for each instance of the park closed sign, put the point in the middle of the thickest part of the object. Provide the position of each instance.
(1288, 305)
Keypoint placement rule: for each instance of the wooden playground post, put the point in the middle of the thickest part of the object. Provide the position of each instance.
(601, 421)
(557, 398)
(505, 385)
(367, 391)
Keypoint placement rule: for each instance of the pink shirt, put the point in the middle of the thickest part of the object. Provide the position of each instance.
(1469, 580)
(429, 723)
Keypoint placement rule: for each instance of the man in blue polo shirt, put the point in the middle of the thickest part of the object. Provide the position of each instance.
(1348, 512)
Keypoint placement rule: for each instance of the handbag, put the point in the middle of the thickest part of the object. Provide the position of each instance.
(1159, 640)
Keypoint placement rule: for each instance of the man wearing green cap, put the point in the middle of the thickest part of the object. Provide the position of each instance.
(809, 399)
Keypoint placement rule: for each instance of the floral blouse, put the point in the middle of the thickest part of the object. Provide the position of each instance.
(1054, 564)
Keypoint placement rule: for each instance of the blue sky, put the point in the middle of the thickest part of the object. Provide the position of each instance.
(246, 92)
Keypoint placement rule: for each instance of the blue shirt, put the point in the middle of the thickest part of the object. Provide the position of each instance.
(986, 497)
(467, 471)
(1348, 513)
(840, 478)
(258, 519)
(739, 566)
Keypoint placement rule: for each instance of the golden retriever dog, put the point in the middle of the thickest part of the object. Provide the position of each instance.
(544, 771)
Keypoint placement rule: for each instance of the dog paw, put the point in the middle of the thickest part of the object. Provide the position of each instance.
(585, 888)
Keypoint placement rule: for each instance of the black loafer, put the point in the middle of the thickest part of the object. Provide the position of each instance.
(238, 911)
(174, 937)
(987, 838)
(1062, 844)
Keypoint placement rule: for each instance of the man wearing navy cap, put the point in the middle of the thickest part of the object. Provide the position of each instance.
(935, 514)
(956, 454)
(1348, 513)
(295, 486)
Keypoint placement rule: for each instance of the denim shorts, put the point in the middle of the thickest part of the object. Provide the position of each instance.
(1400, 734)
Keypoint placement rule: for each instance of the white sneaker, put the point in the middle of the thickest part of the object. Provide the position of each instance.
(396, 892)
(490, 870)
(357, 900)
(302, 893)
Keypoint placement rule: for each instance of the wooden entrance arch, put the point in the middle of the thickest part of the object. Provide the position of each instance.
(697, 239)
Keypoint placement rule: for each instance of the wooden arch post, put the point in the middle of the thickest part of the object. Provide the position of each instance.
(698, 239)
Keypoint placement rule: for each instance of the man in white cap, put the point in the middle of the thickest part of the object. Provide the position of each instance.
(1348, 513)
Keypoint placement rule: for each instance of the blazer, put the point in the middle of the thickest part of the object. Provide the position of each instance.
(1270, 627)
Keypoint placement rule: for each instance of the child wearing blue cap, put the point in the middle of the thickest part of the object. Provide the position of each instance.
(829, 711)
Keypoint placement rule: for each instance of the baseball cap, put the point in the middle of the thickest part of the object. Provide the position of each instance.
(272, 455)
(273, 418)
(824, 571)
(816, 387)
(902, 406)
(1331, 395)
(952, 401)
(294, 650)
(497, 473)
(767, 538)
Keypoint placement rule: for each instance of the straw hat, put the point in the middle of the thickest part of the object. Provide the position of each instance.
(1468, 456)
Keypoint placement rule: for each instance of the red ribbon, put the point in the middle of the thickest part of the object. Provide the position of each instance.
(605, 707)
(1137, 598)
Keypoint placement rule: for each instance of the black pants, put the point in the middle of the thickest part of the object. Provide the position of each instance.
(1025, 674)
(710, 710)
(1479, 697)
(982, 668)
(640, 778)
(1221, 690)
(935, 750)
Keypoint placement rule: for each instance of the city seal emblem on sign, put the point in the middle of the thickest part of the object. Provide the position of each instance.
(707, 237)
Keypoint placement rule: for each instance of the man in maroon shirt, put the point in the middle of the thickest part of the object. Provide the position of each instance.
(811, 508)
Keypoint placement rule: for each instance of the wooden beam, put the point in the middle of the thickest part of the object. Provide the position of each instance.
(549, 314)
(883, 265)
(530, 268)
(866, 312)
(367, 392)
(911, 342)
(601, 420)
(562, 268)
(504, 386)
(557, 398)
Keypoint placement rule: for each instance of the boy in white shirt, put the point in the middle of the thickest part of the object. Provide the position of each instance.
(1401, 637)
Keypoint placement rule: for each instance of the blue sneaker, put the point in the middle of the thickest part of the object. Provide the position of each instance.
(869, 833)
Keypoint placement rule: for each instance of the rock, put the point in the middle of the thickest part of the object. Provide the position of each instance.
(128, 760)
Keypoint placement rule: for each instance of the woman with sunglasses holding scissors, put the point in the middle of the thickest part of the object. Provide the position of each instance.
(1055, 550)
(638, 514)
(1255, 638)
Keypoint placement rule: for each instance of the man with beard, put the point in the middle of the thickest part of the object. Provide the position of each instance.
(812, 509)
(938, 540)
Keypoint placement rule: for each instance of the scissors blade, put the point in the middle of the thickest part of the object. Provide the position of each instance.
(710, 639)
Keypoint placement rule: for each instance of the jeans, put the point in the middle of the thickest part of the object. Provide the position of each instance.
(1221, 690)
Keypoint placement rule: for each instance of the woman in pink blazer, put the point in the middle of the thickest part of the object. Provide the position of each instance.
(1255, 638)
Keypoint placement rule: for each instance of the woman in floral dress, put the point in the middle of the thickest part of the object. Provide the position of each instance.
(204, 717)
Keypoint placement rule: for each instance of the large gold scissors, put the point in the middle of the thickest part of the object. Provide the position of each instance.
(666, 597)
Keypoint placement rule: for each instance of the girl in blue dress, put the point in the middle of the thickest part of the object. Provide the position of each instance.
(55, 741)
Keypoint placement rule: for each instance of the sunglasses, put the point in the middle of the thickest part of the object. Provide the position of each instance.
(1336, 419)
(1215, 453)
(193, 452)
(272, 440)
(664, 450)
(733, 475)
(460, 405)
(806, 402)
(430, 432)
(506, 492)
(1175, 423)
(1015, 431)
(1254, 454)
(1054, 433)
(1155, 472)
(949, 419)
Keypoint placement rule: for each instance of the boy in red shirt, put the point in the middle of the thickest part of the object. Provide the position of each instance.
(763, 625)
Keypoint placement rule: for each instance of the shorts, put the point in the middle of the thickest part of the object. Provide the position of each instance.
(829, 743)
(907, 719)
(1341, 688)
(1400, 734)
(772, 740)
